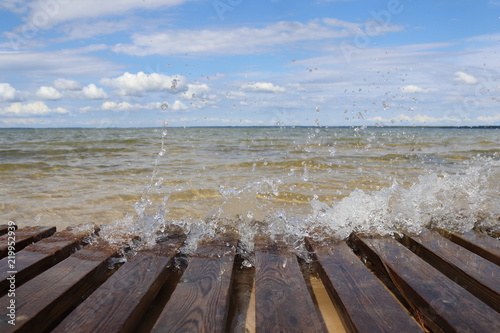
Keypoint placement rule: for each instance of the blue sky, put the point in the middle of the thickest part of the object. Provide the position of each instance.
(127, 63)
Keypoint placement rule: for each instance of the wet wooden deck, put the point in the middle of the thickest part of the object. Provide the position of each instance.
(437, 282)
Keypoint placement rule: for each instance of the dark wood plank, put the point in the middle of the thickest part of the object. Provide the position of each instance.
(119, 303)
(476, 274)
(43, 300)
(4, 228)
(444, 305)
(37, 257)
(481, 244)
(283, 302)
(200, 301)
(363, 302)
(22, 238)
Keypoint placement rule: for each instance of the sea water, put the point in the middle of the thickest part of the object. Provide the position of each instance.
(281, 181)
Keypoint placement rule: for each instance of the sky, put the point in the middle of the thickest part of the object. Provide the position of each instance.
(143, 63)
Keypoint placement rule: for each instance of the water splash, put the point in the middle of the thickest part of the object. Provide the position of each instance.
(438, 198)
(457, 202)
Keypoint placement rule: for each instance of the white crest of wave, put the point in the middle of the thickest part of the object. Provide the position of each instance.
(456, 202)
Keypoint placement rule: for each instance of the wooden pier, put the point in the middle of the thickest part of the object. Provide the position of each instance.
(434, 282)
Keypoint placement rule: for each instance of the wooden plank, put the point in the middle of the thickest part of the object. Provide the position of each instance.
(200, 301)
(283, 302)
(364, 303)
(476, 274)
(445, 305)
(481, 244)
(38, 257)
(119, 303)
(44, 300)
(4, 228)
(22, 238)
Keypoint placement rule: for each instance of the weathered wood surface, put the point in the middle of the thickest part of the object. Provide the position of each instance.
(24, 237)
(46, 298)
(444, 305)
(476, 274)
(119, 303)
(357, 293)
(67, 291)
(200, 301)
(283, 301)
(481, 244)
(38, 257)
(4, 228)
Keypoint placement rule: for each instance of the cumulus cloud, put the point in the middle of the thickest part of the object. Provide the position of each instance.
(93, 92)
(64, 84)
(49, 93)
(412, 89)
(125, 106)
(31, 109)
(113, 106)
(178, 106)
(262, 87)
(136, 84)
(462, 77)
(235, 95)
(8, 93)
(196, 91)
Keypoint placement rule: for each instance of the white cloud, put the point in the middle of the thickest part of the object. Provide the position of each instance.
(31, 109)
(93, 29)
(8, 93)
(125, 106)
(236, 95)
(178, 106)
(462, 77)
(243, 40)
(64, 84)
(63, 63)
(16, 6)
(45, 14)
(93, 92)
(135, 84)
(49, 93)
(489, 119)
(412, 89)
(113, 106)
(262, 87)
(196, 91)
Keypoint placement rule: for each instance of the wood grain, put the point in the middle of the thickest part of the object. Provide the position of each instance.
(45, 299)
(200, 301)
(445, 305)
(119, 303)
(481, 244)
(283, 301)
(40, 256)
(364, 303)
(24, 237)
(476, 274)
(4, 228)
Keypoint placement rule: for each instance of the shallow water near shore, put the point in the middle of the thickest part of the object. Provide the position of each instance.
(286, 182)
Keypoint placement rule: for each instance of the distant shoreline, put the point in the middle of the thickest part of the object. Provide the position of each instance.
(270, 127)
